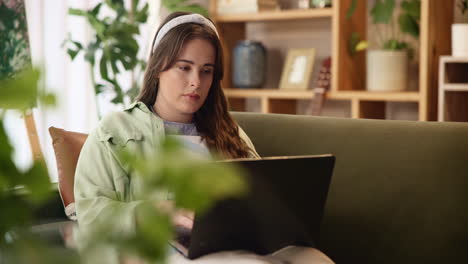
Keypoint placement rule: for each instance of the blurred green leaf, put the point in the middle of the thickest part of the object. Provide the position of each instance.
(412, 8)
(36, 181)
(352, 9)
(15, 214)
(394, 44)
(196, 183)
(96, 9)
(142, 15)
(382, 11)
(181, 5)
(22, 92)
(115, 4)
(31, 249)
(76, 12)
(410, 16)
(353, 42)
(408, 25)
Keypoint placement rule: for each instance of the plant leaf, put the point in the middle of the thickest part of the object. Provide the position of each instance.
(77, 12)
(412, 8)
(394, 44)
(362, 45)
(103, 67)
(96, 9)
(353, 42)
(142, 15)
(20, 93)
(382, 11)
(351, 9)
(408, 25)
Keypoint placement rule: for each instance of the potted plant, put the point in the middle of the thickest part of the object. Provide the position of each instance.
(460, 32)
(387, 67)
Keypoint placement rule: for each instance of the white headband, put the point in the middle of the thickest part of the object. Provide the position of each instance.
(192, 18)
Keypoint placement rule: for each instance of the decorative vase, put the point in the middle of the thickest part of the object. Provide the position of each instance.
(387, 70)
(460, 40)
(248, 64)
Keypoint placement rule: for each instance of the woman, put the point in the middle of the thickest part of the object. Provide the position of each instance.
(181, 95)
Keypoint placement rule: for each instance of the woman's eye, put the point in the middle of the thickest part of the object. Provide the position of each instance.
(208, 71)
(184, 68)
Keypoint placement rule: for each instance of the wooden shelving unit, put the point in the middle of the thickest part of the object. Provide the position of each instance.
(276, 15)
(348, 72)
(453, 89)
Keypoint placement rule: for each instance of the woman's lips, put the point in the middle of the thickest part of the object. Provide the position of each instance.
(192, 96)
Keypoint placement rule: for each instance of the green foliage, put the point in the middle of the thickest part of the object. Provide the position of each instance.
(351, 10)
(14, 51)
(383, 12)
(113, 49)
(409, 18)
(183, 5)
(22, 93)
(21, 191)
(196, 184)
(27, 248)
(355, 43)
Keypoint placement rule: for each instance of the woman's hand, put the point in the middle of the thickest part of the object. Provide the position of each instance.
(183, 218)
(180, 217)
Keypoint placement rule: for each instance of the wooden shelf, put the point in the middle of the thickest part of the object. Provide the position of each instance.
(342, 95)
(349, 72)
(292, 14)
(456, 87)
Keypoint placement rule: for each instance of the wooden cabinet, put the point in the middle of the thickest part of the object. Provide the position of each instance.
(453, 89)
(348, 72)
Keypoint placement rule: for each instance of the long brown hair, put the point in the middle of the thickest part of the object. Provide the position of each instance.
(212, 120)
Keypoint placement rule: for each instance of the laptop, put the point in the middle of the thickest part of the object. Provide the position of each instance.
(284, 206)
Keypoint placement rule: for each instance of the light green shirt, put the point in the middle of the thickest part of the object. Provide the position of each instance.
(103, 186)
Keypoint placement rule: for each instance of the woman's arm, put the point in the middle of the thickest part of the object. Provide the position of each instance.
(102, 188)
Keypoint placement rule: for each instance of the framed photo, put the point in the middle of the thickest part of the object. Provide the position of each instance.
(297, 69)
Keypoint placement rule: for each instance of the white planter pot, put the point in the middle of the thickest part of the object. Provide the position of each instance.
(387, 70)
(460, 40)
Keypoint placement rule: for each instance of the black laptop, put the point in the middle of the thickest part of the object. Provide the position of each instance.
(284, 207)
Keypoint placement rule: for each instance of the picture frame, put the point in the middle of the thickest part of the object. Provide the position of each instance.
(297, 69)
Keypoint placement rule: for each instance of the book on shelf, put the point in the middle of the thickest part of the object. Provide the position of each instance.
(246, 6)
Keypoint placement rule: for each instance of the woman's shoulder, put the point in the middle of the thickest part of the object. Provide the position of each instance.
(120, 127)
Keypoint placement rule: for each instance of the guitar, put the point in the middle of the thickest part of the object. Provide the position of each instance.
(321, 87)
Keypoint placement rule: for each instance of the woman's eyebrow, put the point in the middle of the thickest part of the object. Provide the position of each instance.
(191, 62)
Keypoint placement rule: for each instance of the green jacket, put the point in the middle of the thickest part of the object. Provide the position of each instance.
(103, 186)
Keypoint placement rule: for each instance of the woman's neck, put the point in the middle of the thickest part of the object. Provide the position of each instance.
(165, 115)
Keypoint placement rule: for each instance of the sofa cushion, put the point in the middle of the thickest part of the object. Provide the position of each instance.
(399, 189)
(67, 146)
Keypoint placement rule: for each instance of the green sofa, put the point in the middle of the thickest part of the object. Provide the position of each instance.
(399, 192)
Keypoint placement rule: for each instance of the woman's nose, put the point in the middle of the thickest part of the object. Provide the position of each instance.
(195, 79)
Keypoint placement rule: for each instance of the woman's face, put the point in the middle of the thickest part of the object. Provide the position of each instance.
(184, 87)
